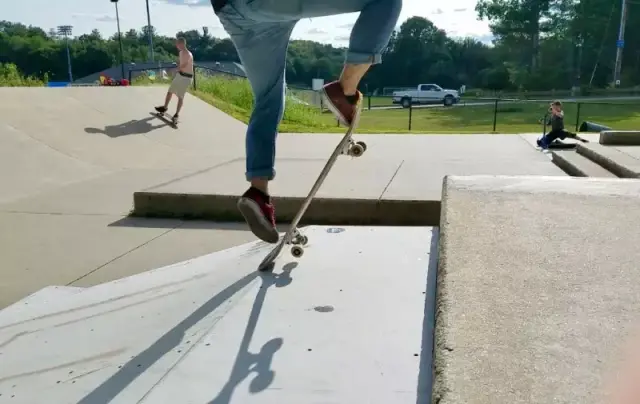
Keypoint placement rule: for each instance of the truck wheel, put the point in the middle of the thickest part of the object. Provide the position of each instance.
(448, 101)
(406, 102)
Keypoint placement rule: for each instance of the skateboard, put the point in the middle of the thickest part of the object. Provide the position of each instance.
(162, 115)
(560, 145)
(293, 236)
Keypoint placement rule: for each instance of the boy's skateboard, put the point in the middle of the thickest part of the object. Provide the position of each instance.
(173, 121)
(293, 236)
(560, 145)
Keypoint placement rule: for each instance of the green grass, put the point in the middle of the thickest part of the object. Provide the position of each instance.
(11, 77)
(233, 96)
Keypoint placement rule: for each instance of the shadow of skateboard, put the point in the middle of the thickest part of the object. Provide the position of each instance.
(168, 119)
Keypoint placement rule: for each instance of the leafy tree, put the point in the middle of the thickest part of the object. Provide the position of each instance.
(538, 45)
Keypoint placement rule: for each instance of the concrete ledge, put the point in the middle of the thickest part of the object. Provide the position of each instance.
(620, 137)
(621, 164)
(322, 211)
(537, 288)
(577, 165)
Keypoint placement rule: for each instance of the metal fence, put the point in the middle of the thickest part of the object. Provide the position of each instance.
(508, 115)
(470, 114)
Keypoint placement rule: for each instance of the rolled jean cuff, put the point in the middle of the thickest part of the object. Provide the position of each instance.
(268, 174)
(362, 58)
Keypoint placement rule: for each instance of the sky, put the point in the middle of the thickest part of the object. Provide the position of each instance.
(456, 17)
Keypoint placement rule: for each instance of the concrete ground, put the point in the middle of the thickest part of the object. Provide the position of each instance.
(337, 326)
(536, 282)
(71, 159)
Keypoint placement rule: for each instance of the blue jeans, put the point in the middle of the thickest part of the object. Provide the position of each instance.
(260, 31)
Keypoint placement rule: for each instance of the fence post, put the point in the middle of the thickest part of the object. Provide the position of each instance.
(369, 102)
(129, 77)
(195, 87)
(578, 116)
(410, 112)
(495, 115)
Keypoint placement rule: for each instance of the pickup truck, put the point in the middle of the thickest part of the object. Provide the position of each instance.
(426, 94)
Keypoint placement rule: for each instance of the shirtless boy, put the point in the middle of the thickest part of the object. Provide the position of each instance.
(182, 79)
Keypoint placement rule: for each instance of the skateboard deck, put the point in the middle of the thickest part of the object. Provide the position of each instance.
(167, 118)
(293, 236)
(560, 145)
(556, 145)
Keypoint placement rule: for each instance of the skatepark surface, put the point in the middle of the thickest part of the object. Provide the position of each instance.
(526, 274)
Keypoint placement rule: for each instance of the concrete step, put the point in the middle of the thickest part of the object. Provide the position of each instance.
(578, 165)
(620, 137)
(520, 286)
(611, 158)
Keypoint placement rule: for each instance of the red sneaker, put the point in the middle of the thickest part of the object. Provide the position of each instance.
(260, 215)
(344, 107)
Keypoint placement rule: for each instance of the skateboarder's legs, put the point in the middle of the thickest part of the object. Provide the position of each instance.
(260, 31)
(179, 86)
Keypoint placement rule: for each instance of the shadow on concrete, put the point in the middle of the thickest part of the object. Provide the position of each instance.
(130, 371)
(132, 127)
(153, 223)
(425, 375)
(260, 363)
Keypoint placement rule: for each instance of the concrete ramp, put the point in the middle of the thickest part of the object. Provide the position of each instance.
(56, 137)
(351, 322)
(115, 128)
(538, 288)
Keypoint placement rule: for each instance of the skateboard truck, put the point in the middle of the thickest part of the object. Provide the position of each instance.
(298, 240)
(354, 149)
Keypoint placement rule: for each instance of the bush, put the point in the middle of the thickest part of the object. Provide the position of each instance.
(10, 76)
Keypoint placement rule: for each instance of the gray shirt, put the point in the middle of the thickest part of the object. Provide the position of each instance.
(556, 121)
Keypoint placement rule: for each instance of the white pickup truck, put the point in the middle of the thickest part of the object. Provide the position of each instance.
(426, 94)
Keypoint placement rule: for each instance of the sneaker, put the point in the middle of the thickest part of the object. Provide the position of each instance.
(161, 109)
(260, 215)
(542, 143)
(344, 107)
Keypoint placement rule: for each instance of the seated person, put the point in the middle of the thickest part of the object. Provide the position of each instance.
(556, 120)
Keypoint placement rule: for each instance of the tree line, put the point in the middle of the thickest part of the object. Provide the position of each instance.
(538, 45)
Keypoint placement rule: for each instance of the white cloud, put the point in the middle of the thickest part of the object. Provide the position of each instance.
(94, 17)
(316, 31)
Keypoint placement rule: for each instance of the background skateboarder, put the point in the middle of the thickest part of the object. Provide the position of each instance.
(260, 31)
(182, 79)
(556, 120)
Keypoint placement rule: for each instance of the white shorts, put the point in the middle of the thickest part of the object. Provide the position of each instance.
(180, 85)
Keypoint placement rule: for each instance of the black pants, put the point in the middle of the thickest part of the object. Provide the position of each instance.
(558, 134)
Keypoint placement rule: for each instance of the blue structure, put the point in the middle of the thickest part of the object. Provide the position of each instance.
(58, 84)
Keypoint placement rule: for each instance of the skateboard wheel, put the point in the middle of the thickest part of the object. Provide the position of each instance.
(297, 251)
(296, 238)
(356, 150)
(305, 240)
(363, 144)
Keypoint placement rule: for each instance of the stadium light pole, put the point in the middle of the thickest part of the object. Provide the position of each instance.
(65, 30)
(119, 38)
(620, 43)
(149, 32)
